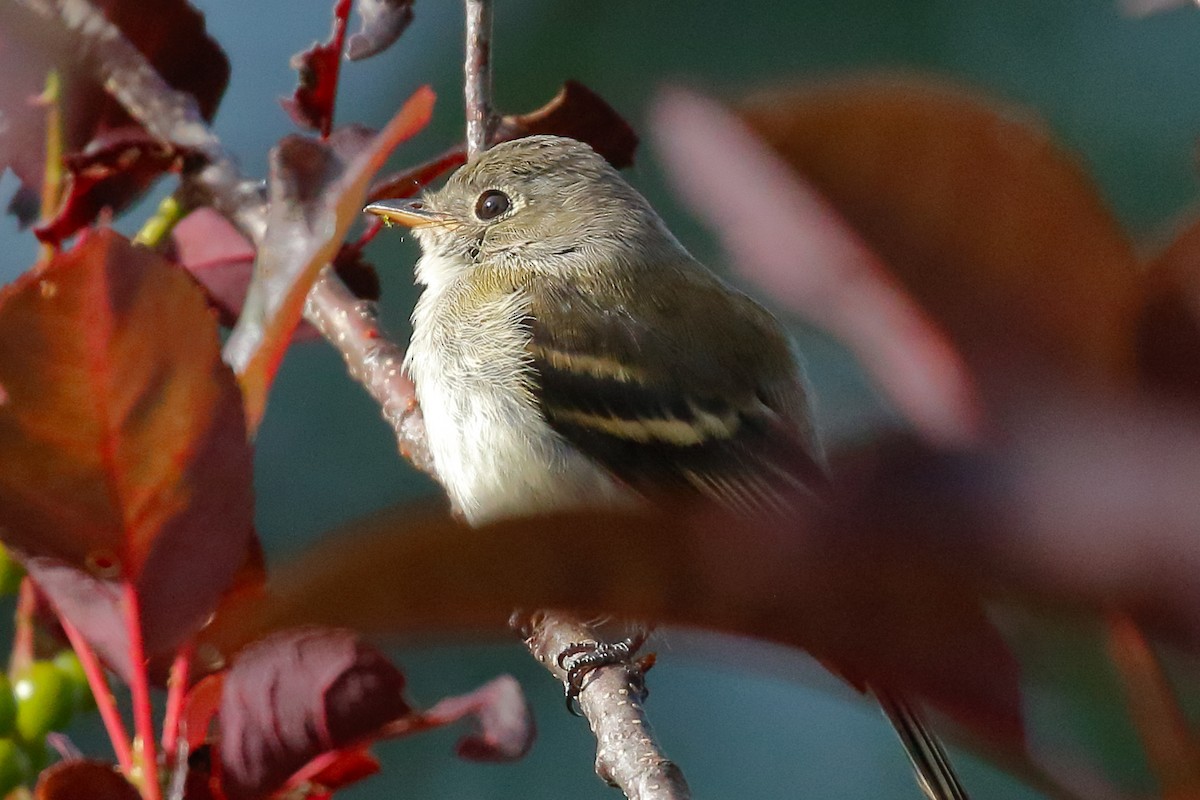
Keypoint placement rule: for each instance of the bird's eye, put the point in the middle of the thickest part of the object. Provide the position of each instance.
(492, 204)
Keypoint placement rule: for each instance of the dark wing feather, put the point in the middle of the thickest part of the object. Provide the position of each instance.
(696, 392)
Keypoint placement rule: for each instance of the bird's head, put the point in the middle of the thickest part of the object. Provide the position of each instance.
(542, 203)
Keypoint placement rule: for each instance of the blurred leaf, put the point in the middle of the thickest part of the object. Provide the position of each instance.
(382, 22)
(875, 615)
(785, 236)
(116, 166)
(1169, 329)
(504, 729)
(174, 40)
(311, 104)
(297, 695)
(74, 780)
(317, 190)
(994, 229)
(1172, 749)
(576, 112)
(123, 453)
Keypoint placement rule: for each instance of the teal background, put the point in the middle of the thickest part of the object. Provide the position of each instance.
(742, 722)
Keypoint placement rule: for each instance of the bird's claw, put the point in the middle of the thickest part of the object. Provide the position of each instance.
(581, 659)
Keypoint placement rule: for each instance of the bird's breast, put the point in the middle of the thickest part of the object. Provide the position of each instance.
(493, 450)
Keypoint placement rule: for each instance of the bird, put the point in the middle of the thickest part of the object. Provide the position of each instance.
(569, 352)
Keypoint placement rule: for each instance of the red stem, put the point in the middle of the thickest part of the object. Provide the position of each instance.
(341, 15)
(139, 688)
(177, 686)
(22, 647)
(105, 703)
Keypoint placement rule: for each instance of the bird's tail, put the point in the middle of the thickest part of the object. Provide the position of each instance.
(929, 761)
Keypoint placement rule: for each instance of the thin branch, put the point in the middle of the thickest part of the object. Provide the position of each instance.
(175, 118)
(477, 68)
(627, 755)
(352, 325)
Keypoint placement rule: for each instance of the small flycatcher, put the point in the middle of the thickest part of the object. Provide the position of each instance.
(567, 351)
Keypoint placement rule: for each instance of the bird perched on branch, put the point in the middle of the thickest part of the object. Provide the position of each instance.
(569, 352)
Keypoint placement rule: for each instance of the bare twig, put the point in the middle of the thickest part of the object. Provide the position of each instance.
(627, 755)
(477, 68)
(175, 118)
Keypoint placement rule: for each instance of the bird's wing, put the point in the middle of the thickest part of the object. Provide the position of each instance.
(698, 391)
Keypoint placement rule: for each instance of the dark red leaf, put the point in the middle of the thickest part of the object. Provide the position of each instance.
(173, 38)
(382, 23)
(1168, 337)
(116, 166)
(317, 68)
(83, 780)
(297, 695)
(331, 771)
(504, 728)
(123, 452)
(317, 189)
(576, 111)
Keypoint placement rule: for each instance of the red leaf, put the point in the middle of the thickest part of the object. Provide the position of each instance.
(382, 23)
(123, 453)
(173, 38)
(116, 166)
(316, 191)
(576, 112)
(297, 695)
(311, 105)
(83, 780)
(504, 728)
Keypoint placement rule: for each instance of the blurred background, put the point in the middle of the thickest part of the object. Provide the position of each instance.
(742, 721)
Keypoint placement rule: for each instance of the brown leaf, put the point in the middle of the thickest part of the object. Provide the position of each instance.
(316, 191)
(123, 452)
(993, 228)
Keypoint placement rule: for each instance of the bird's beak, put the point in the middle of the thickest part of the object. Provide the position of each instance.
(412, 213)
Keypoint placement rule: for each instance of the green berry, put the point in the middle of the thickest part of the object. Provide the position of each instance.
(15, 767)
(45, 700)
(68, 664)
(11, 574)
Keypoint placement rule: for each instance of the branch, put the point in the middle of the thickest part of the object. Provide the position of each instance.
(481, 120)
(627, 755)
(175, 118)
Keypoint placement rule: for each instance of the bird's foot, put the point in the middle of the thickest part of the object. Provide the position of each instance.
(582, 659)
